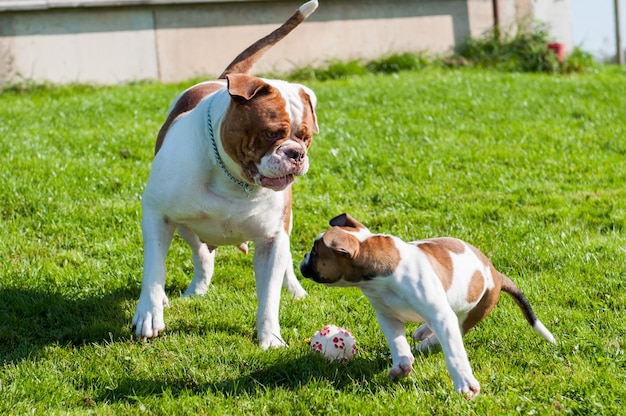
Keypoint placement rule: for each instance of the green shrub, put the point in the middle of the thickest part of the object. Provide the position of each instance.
(525, 51)
(335, 69)
(398, 62)
(580, 61)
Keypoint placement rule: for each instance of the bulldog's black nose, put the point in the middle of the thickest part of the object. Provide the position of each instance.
(296, 155)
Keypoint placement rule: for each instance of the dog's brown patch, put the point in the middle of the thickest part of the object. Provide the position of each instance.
(437, 251)
(333, 256)
(308, 119)
(256, 122)
(243, 63)
(484, 259)
(486, 304)
(378, 256)
(339, 254)
(347, 222)
(287, 210)
(476, 287)
(187, 102)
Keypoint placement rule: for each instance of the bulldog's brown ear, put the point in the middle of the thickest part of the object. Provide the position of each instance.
(345, 220)
(310, 100)
(341, 242)
(245, 86)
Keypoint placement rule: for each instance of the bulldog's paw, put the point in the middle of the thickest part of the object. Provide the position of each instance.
(148, 320)
(297, 293)
(271, 341)
(198, 287)
(468, 386)
(401, 369)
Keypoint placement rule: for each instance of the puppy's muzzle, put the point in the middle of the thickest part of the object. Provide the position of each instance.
(307, 270)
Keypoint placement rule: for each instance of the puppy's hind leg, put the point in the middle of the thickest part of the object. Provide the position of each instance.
(203, 262)
(426, 338)
(421, 333)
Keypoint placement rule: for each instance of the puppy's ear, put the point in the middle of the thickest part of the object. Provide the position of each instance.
(340, 242)
(244, 87)
(345, 220)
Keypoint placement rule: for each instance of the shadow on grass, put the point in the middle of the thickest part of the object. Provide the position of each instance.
(290, 374)
(30, 319)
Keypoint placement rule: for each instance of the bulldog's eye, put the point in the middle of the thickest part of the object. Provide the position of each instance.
(273, 135)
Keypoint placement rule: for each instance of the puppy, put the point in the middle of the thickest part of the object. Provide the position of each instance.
(224, 163)
(444, 282)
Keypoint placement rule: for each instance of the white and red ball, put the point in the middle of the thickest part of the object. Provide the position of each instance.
(334, 343)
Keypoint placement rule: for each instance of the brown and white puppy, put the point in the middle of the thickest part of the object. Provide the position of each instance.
(224, 163)
(444, 282)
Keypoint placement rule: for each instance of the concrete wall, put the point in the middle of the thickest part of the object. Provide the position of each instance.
(555, 13)
(106, 41)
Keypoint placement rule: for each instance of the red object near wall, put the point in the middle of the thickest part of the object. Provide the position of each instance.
(558, 49)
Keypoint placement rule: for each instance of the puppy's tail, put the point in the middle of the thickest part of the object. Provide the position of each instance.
(511, 288)
(244, 62)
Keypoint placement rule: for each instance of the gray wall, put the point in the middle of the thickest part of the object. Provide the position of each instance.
(107, 41)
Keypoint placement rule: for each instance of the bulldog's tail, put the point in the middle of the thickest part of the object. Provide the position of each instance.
(511, 288)
(244, 62)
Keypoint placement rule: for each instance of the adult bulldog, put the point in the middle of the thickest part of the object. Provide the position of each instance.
(224, 163)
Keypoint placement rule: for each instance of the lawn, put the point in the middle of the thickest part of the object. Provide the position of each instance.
(529, 168)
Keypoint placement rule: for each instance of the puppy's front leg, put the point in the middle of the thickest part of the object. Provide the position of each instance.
(445, 325)
(271, 259)
(401, 355)
(157, 237)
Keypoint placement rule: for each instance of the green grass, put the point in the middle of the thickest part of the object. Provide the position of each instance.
(528, 167)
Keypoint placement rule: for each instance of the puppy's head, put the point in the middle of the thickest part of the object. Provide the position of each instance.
(268, 129)
(348, 253)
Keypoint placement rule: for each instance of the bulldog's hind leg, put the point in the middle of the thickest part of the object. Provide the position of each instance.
(203, 262)
(292, 284)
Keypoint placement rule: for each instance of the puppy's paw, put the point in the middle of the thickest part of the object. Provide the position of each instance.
(469, 387)
(148, 319)
(428, 345)
(401, 369)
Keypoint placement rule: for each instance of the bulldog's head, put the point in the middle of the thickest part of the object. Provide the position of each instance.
(348, 253)
(268, 129)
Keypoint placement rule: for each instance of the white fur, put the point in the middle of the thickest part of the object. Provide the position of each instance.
(187, 190)
(413, 293)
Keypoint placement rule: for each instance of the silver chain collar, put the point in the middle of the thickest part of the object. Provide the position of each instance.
(245, 186)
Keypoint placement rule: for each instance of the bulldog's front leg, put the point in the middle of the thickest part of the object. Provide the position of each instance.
(401, 355)
(445, 325)
(271, 259)
(157, 237)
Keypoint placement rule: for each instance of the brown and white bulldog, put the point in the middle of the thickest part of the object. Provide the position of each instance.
(444, 282)
(224, 163)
